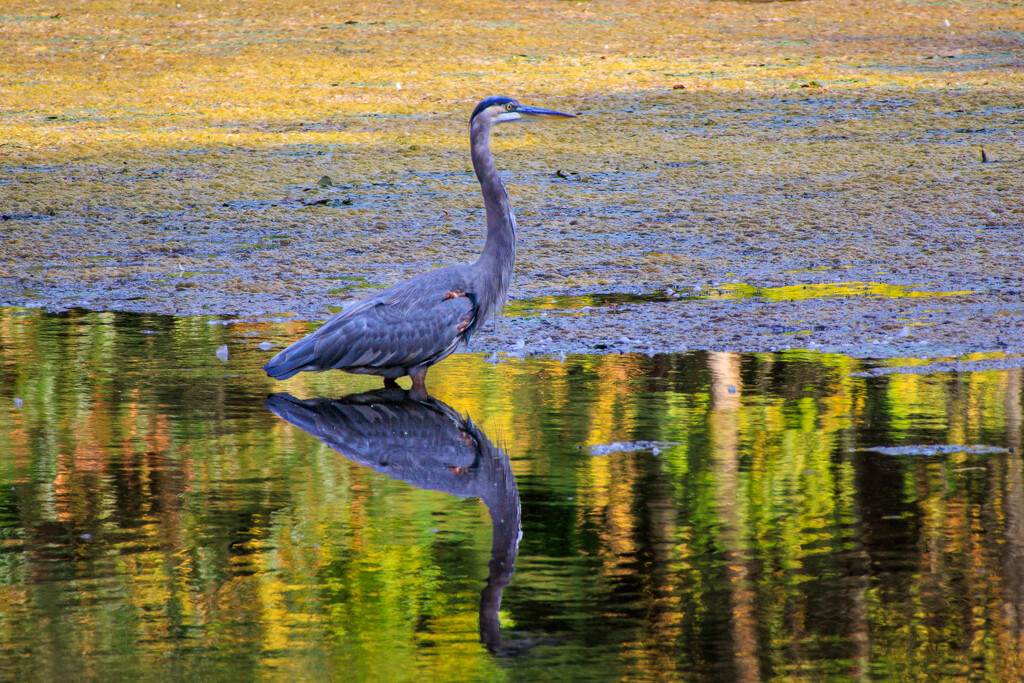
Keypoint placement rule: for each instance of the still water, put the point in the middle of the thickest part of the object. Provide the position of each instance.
(707, 516)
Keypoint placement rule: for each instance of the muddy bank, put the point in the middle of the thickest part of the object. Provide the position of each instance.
(897, 241)
(859, 327)
(781, 175)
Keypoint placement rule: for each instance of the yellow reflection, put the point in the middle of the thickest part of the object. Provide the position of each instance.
(215, 520)
(727, 291)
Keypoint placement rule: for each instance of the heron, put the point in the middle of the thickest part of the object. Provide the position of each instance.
(408, 327)
(426, 443)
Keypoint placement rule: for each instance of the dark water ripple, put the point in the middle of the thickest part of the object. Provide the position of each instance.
(805, 517)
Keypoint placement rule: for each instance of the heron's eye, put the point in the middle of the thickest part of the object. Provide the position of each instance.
(509, 107)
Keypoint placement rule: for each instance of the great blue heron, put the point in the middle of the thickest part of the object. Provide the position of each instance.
(408, 327)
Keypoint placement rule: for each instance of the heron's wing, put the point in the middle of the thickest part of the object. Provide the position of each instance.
(405, 330)
(426, 444)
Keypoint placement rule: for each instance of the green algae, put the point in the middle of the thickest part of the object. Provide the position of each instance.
(581, 304)
(827, 289)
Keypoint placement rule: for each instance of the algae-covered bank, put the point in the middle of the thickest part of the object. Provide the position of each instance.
(743, 176)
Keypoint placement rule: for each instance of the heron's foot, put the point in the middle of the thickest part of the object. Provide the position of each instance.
(454, 294)
(419, 384)
(390, 383)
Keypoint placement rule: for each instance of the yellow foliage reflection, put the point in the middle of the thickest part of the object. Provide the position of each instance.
(153, 511)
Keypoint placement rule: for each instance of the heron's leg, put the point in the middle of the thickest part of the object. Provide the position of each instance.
(419, 383)
(390, 383)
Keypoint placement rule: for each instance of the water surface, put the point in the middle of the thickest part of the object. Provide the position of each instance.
(161, 517)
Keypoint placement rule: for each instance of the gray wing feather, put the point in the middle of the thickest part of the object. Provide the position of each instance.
(412, 323)
(396, 332)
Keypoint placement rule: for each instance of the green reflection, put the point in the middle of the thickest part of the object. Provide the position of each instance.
(875, 290)
(727, 291)
(156, 520)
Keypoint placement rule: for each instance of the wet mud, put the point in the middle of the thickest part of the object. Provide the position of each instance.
(743, 176)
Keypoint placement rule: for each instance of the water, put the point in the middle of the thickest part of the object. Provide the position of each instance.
(160, 517)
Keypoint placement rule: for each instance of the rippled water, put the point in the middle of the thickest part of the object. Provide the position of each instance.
(161, 517)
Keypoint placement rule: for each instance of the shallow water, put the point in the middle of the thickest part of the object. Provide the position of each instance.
(158, 518)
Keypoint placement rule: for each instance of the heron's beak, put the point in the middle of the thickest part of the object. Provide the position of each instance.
(545, 113)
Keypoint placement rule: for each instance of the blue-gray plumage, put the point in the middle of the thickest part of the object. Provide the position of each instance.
(406, 328)
(429, 445)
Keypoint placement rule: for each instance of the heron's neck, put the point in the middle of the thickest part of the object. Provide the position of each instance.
(500, 248)
(502, 502)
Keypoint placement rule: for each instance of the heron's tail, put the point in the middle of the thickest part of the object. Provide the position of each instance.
(296, 358)
(291, 409)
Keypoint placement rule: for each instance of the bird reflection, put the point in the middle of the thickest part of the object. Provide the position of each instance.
(426, 443)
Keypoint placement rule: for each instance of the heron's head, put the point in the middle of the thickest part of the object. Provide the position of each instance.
(494, 110)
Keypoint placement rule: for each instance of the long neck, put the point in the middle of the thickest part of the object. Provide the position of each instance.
(500, 248)
(501, 497)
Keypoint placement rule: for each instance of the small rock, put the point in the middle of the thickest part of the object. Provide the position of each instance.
(325, 181)
(222, 353)
(933, 449)
(629, 446)
(266, 346)
(519, 345)
(18, 402)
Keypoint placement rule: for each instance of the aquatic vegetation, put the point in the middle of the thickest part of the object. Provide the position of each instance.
(177, 138)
